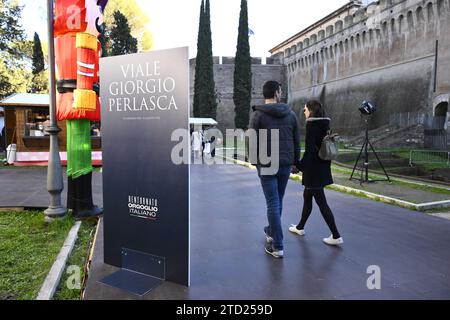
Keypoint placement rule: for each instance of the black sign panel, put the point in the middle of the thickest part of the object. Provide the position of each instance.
(145, 99)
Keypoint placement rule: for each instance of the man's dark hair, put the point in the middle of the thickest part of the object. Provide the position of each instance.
(269, 89)
(316, 109)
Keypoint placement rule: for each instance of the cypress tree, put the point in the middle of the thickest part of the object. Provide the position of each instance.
(242, 72)
(198, 63)
(38, 55)
(121, 40)
(205, 104)
(39, 80)
(208, 103)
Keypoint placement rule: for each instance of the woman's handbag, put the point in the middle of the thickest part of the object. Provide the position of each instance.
(329, 149)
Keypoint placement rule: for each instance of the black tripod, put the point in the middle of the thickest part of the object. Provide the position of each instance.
(365, 167)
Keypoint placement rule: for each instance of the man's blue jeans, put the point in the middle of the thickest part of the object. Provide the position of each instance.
(274, 187)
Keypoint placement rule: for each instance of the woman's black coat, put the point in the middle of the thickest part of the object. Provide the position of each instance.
(316, 172)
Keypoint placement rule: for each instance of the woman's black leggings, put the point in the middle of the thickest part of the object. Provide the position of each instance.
(319, 196)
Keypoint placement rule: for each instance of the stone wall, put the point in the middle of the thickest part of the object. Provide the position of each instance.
(223, 77)
(384, 52)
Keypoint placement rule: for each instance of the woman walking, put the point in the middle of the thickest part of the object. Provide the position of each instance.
(197, 140)
(316, 172)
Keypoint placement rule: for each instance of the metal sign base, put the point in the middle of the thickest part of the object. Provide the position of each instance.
(140, 273)
(134, 282)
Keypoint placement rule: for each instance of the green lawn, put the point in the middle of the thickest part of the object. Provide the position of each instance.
(439, 162)
(12, 167)
(79, 257)
(4, 165)
(344, 171)
(28, 248)
(422, 187)
(438, 210)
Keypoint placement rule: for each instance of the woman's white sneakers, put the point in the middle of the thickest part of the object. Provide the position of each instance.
(293, 229)
(333, 242)
(330, 240)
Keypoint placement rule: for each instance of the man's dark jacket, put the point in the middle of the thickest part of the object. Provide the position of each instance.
(278, 116)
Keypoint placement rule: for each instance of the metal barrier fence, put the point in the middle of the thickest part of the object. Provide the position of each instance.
(436, 130)
(407, 119)
(437, 139)
(427, 156)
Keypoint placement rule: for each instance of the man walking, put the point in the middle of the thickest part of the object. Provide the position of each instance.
(269, 120)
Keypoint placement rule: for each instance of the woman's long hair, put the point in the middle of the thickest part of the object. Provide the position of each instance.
(316, 109)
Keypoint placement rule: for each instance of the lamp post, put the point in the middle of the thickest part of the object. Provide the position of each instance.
(55, 183)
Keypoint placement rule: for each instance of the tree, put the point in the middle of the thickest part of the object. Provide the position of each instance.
(5, 84)
(12, 43)
(137, 20)
(11, 32)
(198, 63)
(13, 79)
(208, 103)
(38, 55)
(104, 42)
(121, 40)
(242, 89)
(145, 43)
(39, 81)
(205, 104)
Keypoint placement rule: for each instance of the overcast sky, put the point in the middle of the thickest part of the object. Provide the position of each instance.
(174, 23)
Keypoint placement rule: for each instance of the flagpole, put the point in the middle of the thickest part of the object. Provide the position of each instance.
(55, 183)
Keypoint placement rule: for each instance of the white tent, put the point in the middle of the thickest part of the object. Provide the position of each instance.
(26, 99)
(202, 121)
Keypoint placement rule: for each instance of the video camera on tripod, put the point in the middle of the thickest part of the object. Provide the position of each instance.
(367, 108)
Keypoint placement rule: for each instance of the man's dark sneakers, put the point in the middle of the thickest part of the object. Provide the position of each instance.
(274, 253)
